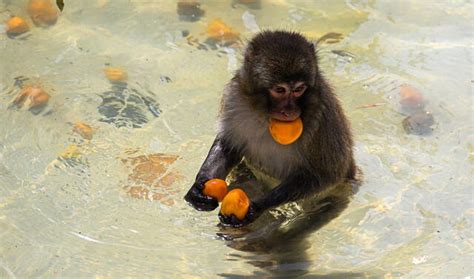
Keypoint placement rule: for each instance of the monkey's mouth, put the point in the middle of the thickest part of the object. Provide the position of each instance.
(287, 116)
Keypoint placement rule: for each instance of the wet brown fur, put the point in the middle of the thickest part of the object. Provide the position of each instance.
(321, 158)
(325, 148)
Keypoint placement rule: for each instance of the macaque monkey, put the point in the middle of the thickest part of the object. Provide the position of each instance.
(279, 80)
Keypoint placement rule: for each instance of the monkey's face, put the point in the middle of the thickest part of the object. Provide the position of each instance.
(279, 72)
(285, 100)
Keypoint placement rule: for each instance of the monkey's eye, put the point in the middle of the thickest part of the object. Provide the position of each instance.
(298, 91)
(280, 90)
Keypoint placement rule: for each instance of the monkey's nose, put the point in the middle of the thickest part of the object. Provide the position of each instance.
(288, 113)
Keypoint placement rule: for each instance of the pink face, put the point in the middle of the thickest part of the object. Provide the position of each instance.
(284, 98)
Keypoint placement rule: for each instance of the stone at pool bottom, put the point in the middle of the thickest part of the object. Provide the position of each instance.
(152, 177)
(125, 106)
(420, 123)
(189, 10)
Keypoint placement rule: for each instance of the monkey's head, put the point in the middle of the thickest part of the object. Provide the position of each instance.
(279, 73)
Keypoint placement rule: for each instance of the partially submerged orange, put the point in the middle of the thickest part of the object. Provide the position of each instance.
(31, 96)
(286, 132)
(83, 130)
(410, 97)
(16, 25)
(237, 203)
(115, 74)
(216, 188)
(42, 12)
(219, 31)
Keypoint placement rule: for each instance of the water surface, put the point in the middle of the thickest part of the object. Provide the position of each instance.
(73, 216)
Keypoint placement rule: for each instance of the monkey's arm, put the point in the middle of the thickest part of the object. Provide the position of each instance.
(220, 160)
(291, 189)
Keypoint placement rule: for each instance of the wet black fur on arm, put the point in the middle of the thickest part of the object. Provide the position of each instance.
(220, 160)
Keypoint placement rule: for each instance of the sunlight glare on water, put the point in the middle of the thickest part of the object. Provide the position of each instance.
(109, 203)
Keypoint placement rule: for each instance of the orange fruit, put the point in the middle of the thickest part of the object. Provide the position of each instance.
(285, 132)
(410, 97)
(42, 12)
(218, 30)
(115, 74)
(235, 202)
(16, 25)
(216, 188)
(31, 96)
(84, 130)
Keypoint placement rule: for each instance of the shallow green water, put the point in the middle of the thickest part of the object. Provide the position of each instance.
(72, 217)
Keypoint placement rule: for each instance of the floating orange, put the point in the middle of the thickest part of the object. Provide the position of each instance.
(115, 74)
(72, 152)
(285, 132)
(42, 12)
(83, 130)
(31, 96)
(16, 25)
(216, 188)
(410, 97)
(218, 30)
(237, 203)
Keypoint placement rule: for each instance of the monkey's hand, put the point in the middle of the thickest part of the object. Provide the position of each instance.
(232, 221)
(198, 200)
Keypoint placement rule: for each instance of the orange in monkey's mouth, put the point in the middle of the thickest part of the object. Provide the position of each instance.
(286, 132)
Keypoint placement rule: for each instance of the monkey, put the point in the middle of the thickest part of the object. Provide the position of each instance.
(279, 79)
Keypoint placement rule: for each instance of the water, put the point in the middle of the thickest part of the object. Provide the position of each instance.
(72, 215)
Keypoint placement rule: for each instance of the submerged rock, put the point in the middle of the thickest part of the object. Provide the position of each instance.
(420, 123)
(189, 10)
(127, 107)
(151, 177)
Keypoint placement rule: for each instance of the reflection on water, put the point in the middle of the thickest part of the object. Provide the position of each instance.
(279, 240)
(125, 106)
(92, 184)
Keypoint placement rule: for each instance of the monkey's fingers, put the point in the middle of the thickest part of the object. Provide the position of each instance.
(230, 221)
(233, 221)
(199, 201)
